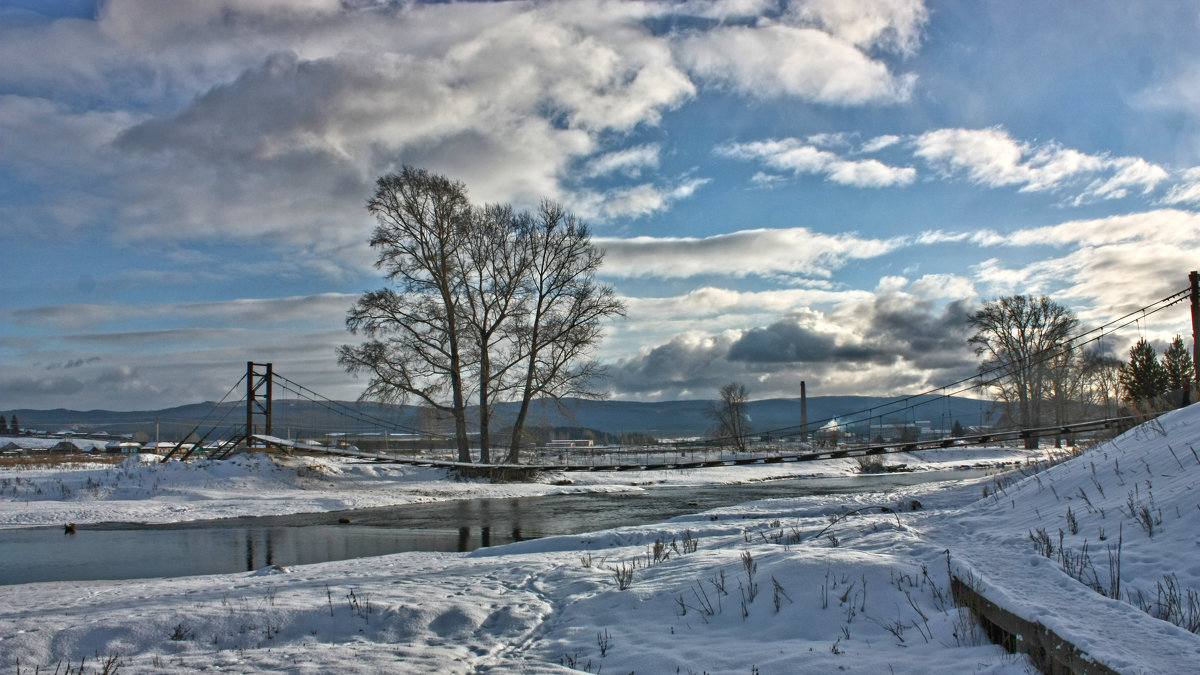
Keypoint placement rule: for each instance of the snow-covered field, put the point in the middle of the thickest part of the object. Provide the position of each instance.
(810, 584)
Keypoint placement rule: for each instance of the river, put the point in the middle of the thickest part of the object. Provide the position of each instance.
(135, 551)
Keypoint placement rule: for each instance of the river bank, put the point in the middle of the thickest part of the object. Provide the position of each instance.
(142, 490)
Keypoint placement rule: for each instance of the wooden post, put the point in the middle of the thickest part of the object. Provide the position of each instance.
(1194, 278)
(804, 409)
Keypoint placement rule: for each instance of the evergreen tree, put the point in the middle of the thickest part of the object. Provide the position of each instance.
(14, 427)
(1143, 377)
(3, 425)
(957, 431)
(1178, 364)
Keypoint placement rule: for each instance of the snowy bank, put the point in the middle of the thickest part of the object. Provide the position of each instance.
(854, 583)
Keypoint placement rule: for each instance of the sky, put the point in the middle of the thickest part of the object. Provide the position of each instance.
(815, 191)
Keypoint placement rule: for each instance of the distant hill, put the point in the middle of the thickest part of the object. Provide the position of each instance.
(665, 419)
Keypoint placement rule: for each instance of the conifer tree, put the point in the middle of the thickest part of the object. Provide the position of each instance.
(1178, 364)
(14, 427)
(1143, 377)
(3, 425)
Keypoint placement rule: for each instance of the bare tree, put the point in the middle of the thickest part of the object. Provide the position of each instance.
(1019, 337)
(1102, 376)
(414, 344)
(730, 416)
(564, 309)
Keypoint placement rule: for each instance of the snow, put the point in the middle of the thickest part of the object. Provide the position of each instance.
(839, 583)
(143, 489)
(37, 443)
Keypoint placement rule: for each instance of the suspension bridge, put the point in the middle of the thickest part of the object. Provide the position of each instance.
(246, 419)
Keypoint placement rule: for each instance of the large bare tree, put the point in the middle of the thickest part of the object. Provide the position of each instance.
(483, 302)
(1021, 338)
(415, 344)
(563, 312)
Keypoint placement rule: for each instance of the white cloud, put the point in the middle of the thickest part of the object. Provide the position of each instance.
(763, 252)
(893, 25)
(1131, 173)
(629, 161)
(790, 154)
(240, 312)
(211, 110)
(774, 60)
(1187, 191)
(1162, 226)
(992, 158)
(634, 201)
(1110, 266)
(879, 143)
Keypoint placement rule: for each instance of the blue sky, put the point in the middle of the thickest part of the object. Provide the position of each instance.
(817, 191)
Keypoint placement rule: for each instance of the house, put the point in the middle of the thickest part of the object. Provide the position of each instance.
(164, 447)
(125, 447)
(66, 447)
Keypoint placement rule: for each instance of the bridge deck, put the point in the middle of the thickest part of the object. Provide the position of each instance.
(646, 463)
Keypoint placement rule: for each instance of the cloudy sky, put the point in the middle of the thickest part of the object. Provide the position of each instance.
(818, 190)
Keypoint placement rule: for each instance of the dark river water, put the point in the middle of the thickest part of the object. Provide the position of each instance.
(135, 551)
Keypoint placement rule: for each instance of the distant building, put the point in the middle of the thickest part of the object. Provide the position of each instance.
(576, 443)
(163, 447)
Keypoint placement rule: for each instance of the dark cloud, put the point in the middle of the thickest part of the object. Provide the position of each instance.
(785, 341)
(73, 363)
(920, 334)
(895, 342)
(25, 387)
(680, 365)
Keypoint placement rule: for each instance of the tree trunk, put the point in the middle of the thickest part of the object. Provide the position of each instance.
(460, 412)
(514, 448)
(485, 367)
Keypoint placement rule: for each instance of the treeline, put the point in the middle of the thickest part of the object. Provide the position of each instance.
(1040, 377)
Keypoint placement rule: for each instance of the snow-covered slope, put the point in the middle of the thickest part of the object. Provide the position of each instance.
(1090, 546)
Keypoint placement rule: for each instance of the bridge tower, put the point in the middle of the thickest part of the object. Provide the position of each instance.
(259, 383)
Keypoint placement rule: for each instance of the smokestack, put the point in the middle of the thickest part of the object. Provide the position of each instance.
(803, 413)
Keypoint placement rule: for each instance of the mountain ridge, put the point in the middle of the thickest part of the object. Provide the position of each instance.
(664, 419)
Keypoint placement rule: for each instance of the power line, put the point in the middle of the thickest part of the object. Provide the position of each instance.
(339, 408)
